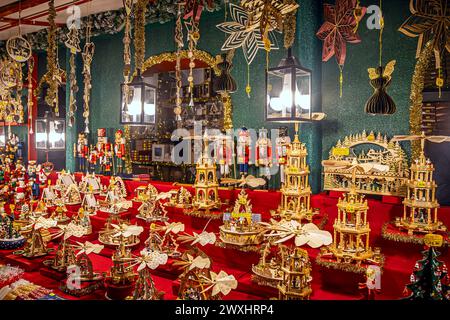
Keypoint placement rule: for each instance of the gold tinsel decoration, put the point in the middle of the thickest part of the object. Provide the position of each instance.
(139, 33)
(346, 267)
(227, 111)
(289, 25)
(416, 96)
(127, 136)
(401, 237)
(247, 248)
(88, 54)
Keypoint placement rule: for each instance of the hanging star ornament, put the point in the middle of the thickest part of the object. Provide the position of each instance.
(339, 28)
(430, 21)
(241, 35)
(268, 14)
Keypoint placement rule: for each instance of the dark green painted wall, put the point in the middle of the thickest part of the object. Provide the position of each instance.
(345, 115)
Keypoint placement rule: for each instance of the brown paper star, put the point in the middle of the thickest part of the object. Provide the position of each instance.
(430, 21)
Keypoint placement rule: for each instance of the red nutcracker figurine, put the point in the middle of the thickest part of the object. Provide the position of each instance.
(243, 151)
(282, 142)
(119, 150)
(93, 156)
(82, 152)
(224, 153)
(102, 140)
(107, 159)
(264, 153)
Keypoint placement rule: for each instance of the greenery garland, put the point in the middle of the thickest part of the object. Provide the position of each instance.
(110, 22)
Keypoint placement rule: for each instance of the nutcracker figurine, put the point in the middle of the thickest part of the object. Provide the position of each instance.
(107, 159)
(20, 192)
(243, 151)
(82, 152)
(42, 175)
(264, 154)
(224, 154)
(282, 143)
(102, 140)
(119, 150)
(2, 175)
(20, 170)
(92, 159)
(32, 169)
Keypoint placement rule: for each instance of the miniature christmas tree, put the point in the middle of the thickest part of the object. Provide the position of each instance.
(429, 280)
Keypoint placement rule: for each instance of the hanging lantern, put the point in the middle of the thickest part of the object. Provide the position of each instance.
(138, 102)
(138, 98)
(288, 91)
(50, 133)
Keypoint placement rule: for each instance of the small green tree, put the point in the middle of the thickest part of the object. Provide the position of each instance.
(429, 280)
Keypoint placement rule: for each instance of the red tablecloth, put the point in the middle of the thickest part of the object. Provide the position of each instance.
(327, 284)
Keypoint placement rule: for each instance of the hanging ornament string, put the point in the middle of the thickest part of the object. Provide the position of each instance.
(193, 37)
(52, 92)
(73, 43)
(248, 88)
(88, 54)
(180, 44)
(127, 51)
(380, 40)
(30, 93)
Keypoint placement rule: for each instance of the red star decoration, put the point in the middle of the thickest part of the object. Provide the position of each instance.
(194, 8)
(338, 28)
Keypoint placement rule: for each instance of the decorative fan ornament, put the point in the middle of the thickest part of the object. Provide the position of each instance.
(202, 238)
(430, 21)
(339, 28)
(44, 223)
(148, 259)
(220, 283)
(309, 233)
(249, 180)
(88, 248)
(125, 230)
(69, 230)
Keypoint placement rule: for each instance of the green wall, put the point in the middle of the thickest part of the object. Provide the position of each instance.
(344, 115)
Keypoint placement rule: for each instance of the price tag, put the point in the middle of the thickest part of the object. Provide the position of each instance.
(341, 151)
(433, 240)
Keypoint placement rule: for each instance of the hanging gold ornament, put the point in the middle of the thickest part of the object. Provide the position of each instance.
(88, 54)
(30, 93)
(53, 77)
(126, 49)
(73, 43)
(180, 44)
(267, 14)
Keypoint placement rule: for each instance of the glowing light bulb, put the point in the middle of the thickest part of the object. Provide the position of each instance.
(134, 107)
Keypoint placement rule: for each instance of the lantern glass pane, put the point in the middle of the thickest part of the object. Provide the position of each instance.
(303, 93)
(41, 134)
(57, 134)
(150, 105)
(279, 94)
(132, 104)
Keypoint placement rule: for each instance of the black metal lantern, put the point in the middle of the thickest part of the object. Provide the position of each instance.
(288, 91)
(138, 102)
(50, 133)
